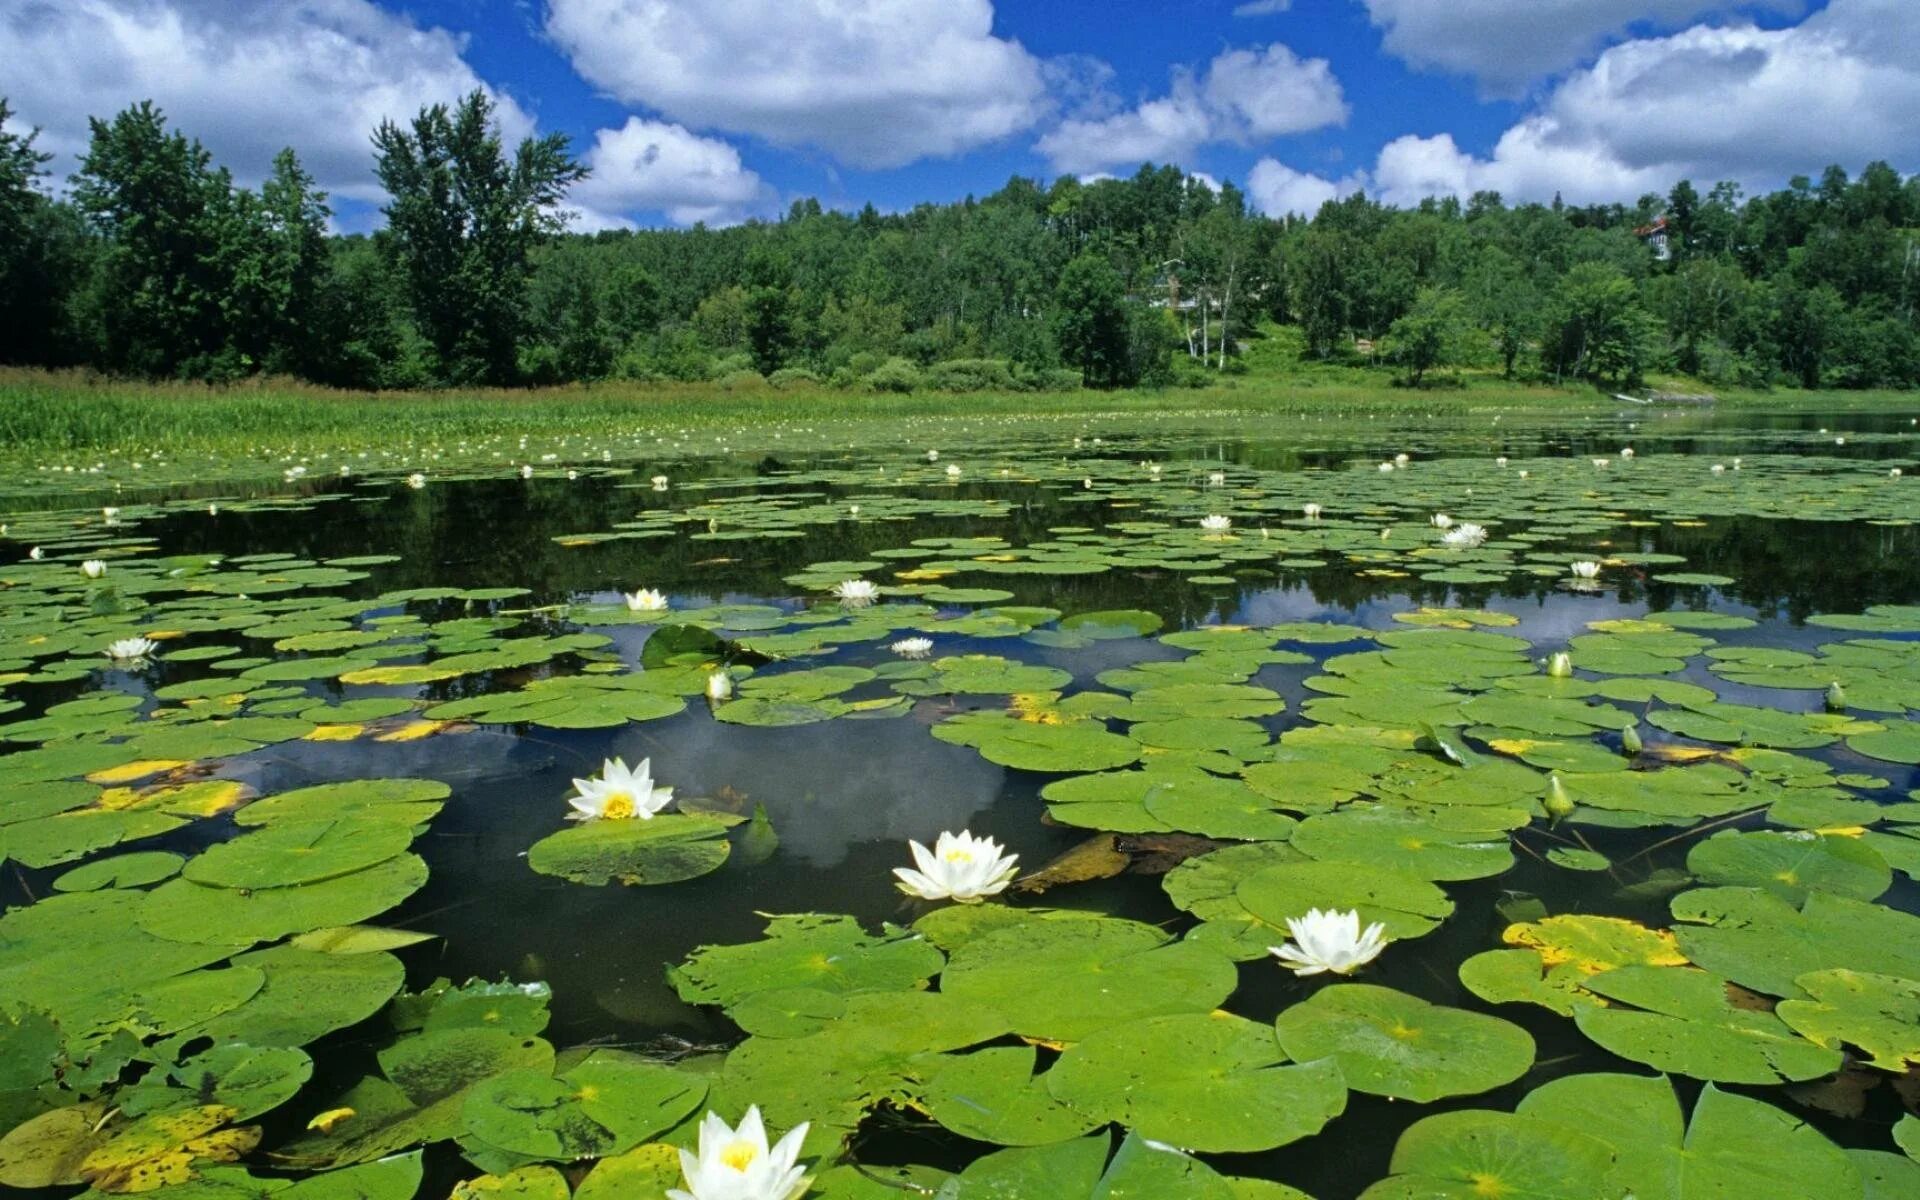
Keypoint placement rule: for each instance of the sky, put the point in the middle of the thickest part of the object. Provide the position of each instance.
(726, 110)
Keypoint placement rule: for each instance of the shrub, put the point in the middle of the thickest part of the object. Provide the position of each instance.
(730, 364)
(894, 375)
(741, 381)
(793, 377)
(1057, 379)
(972, 375)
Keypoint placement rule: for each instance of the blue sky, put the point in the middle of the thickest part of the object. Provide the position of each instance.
(721, 110)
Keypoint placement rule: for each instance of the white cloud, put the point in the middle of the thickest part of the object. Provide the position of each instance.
(246, 79)
(1261, 8)
(1507, 44)
(1278, 190)
(1245, 94)
(876, 83)
(1709, 103)
(1274, 91)
(653, 166)
(1169, 129)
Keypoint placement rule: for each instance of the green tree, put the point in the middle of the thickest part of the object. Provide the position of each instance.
(31, 289)
(280, 269)
(462, 224)
(1431, 335)
(1090, 321)
(1505, 302)
(174, 233)
(1596, 328)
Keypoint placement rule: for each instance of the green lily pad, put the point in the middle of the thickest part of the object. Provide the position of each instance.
(1209, 1082)
(1061, 980)
(992, 1096)
(1878, 1013)
(666, 848)
(1685, 1023)
(1791, 865)
(1395, 1045)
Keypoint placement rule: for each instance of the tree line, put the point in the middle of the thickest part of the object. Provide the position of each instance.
(152, 262)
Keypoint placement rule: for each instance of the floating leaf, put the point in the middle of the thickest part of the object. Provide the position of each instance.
(666, 848)
(1211, 1082)
(1395, 1045)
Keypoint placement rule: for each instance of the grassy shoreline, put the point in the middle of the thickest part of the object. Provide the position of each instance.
(52, 412)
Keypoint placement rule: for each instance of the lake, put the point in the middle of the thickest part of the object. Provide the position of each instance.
(1669, 877)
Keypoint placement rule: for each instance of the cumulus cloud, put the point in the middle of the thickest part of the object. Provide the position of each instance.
(876, 83)
(654, 166)
(1507, 44)
(1708, 103)
(1261, 8)
(246, 79)
(1244, 94)
(1278, 190)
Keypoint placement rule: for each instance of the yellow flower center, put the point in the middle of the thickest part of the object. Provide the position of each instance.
(958, 856)
(739, 1154)
(619, 807)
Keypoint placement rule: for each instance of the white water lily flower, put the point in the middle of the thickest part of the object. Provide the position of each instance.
(913, 647)
(618, 794)
(1216, 478)
(1894, 473)
(1525, 474)
(659, 483)
(416, 481)
(1501, 461)
(1585, 569)
(1312, 511)
(1718, 469)
(933, 456)
(857, 591)
(1464, 536)
(1441, 521)
(959, 867)
(953, 470)
(645, 600)
(1216, 523)
(1560, 666)
(1330, 941)
(1626, 452)
(1401, 460)
(1602, 463)
(719, 686)
(93, 568)
(36, 554)
(526, 470)
(133, 649)
(736, 1164)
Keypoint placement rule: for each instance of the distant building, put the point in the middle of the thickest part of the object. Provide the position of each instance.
(1657, 239)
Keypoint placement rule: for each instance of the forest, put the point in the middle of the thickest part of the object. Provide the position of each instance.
(151, 262)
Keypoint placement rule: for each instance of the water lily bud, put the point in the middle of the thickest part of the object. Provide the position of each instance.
(1558, 804)
(1836, 697)
(1560, 666)
(719, 686)
(1630, 741)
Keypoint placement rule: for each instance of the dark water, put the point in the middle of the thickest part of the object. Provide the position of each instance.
(845, 797)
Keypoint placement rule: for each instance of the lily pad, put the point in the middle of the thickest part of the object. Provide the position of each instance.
(1399, 1046)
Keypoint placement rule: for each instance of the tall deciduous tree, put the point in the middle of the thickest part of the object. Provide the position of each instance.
(1090, 321)
(462, 223)
(25, 283)
(173, 232)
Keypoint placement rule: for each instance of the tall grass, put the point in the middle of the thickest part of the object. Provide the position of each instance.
(48, 412)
